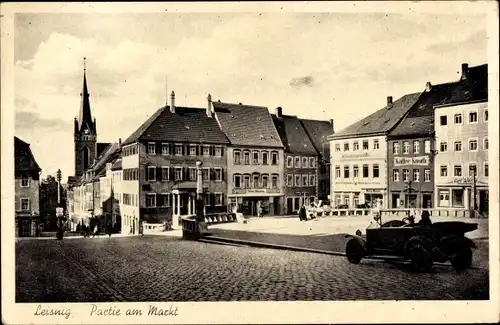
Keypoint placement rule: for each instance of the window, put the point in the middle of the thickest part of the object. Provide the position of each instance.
(192, 174)
(365, 171)
(305, 180)
(337, 171)
(206, 150)
(165, 171)
(337, 147)
(246, 157)
(395, 148)
(346, 171)
(255, 157)
(472, 117)
(165, 149)
(151, 148)
(192, 150)
(265, 158)
(205, 174)
(458, 146)
(443, 120)
(178, 149)
(289, 162)
(355, 171)
(274, 181)
(457, 198)
(444, 171)
(355, 146)
(218, 151)
(218, 174)
(237, 157)
(151, 200)
(406, 175)
(25, 204)
(395, 175)
(297, 162)
(406, 147)
(443, 146)
(151, 173)
(416, 147)
(255, 181)
(178, 173)
(265, 179)
(365, 145)
(375, 171)
(427, 146)
(457, 170)
(427, 175)
(486, 170)
(237, 181)
(166, 200)
(416, 175)
(376, 145)
(444, 198)
(25, 181)
(472, 145)
(346, 146)
(312, 180)
(486, 115)
(458, 118)
(297, 180)
(247, 181)
(485, 144)
(289, 180)
(206, 198)
(312, 162)
(274, 158)
(305, 162)
(218, 198)
(472, 169)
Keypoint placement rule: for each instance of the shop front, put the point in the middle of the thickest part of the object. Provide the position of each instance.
(459, 194)
(252, 201)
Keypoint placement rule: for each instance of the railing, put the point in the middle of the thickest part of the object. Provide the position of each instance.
(443, 212)
(216, 218)
(194, 229)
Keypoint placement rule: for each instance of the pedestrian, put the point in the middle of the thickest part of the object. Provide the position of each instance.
(259, 209)
(95, 231)
(425, 219)
(302, 213)
(109, 229)
(141, 228)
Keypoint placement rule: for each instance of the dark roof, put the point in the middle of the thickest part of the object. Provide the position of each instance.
(117, 165)
(419, 120)
(101, 147)
(247, 125)
(24, 160)
(107, 156)
(318, 131)
(382, 120)
(293, 135)
(187, 124)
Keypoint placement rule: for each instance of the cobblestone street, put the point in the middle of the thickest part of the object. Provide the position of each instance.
(154, 268)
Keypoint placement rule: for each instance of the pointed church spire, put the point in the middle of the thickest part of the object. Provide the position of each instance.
(85, 117)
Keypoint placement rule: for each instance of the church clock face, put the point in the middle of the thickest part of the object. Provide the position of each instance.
(86, 131)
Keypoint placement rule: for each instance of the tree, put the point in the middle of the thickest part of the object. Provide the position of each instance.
(48, 201)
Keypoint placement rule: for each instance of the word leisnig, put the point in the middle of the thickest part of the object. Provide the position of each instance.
(40, 311)
(152, 311)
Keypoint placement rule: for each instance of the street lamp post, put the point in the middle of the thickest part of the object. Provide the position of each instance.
(199, 193)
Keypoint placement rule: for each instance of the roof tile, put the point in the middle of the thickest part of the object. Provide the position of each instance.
(293, 135)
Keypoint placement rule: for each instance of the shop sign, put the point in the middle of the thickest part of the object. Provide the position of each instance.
(255, 191)
(418, 161)
(463, 180)
(355, 155)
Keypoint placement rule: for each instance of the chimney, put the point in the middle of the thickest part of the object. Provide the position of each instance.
(172, 102)
(465, 71)
(120, 142)
(389, 100)
(428, 86)
(331, 123)
(209, 105)
(279, 111)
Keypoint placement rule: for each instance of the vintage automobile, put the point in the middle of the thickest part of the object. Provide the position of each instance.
(421, 245)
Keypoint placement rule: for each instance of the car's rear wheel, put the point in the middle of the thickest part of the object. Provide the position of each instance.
(420, 258)
(354, 251)
(463, 258)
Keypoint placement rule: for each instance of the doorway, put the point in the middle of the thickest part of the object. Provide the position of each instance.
(427, 201)
(411, 200)
(395, 201)
(483, 201)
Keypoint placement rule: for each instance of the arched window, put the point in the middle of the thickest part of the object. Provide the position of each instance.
(86, 157)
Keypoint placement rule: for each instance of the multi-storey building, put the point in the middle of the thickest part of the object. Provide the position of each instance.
(300, 160)
(27, 190)
(159, 165)
(462, 143)
(254, 158)
(318, 132)
(359, 155)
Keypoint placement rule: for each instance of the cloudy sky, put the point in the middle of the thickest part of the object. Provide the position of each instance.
(314, 65)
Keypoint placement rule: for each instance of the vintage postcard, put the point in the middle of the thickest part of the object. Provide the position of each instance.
(258, 162)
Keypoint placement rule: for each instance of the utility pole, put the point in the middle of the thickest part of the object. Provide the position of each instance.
(474, 193)
(58, 176)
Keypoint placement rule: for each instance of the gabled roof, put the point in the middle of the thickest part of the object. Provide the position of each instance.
(187, 124)
(117, 165)
(419, 120)
(382, 121)
(293, 135)
(318, 131)
(247, 125)
(24, 160)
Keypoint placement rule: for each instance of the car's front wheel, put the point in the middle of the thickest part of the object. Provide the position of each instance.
(354, 251)
(463, 258)
(420, 258)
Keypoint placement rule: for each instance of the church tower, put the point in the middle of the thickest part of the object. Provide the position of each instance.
(85, 133)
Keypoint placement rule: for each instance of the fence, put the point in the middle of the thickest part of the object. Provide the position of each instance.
(193, 229)
(461, 213)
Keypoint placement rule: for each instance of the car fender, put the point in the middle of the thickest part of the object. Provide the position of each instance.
(359, 240)
(427, 243)
(455, 240)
